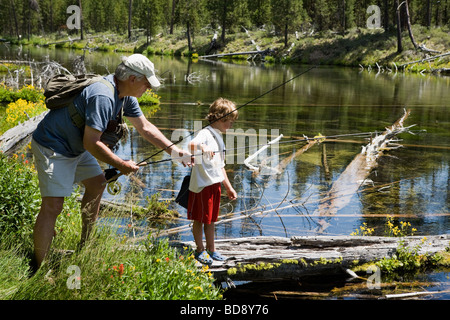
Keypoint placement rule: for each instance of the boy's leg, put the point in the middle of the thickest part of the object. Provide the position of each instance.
(44, 227)
(209, 235)
(197, 232)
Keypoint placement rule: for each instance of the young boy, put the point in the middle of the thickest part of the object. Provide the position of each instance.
(208, 173)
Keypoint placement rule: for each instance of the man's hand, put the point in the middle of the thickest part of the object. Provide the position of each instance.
(99, 150)
(127, 167)
(183, 157)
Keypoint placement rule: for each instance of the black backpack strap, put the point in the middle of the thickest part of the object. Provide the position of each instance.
(77, 118)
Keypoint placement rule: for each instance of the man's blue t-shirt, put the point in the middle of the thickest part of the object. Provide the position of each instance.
(98, 104)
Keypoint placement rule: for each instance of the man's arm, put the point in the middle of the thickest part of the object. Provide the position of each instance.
(100, 151)
(152, 134)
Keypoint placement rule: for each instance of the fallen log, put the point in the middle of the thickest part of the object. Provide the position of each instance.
(62, 41)
(220, 55)
(359, 169)
(20, 135)
(256, 169)
(280, 258)
(284, 163)
(442, 71)
(426, 59)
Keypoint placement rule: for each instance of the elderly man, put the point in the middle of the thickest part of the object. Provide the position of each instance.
(65, 154)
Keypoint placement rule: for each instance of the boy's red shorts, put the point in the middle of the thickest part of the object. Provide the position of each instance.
(204, 206)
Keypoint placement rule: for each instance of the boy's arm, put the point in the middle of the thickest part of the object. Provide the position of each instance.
(231, 193)
(199, 148)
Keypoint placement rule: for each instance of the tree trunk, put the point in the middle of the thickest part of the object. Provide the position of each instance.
(130, 2)
(271, 258)
(428, 13)
(15, 19)
(343, 17)
(224, 19)
(286, 35)
(399, 28)
(51, 17)
(81, 20)
(18, 136)
(148, 26)
(408, 21)
(188, 33)
(172, 17)
(351, 179)
(386, 16)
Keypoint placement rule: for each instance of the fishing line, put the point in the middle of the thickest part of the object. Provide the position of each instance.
(111, 176)
(357, 134)
(361, 134)
(227, 114)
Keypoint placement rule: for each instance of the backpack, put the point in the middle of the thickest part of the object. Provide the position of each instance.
(62, 89)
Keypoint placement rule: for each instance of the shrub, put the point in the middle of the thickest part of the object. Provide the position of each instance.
(22, 110)
(19, 196)
(149, 98)
(28, 93)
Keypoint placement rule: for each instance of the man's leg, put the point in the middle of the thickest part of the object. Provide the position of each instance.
(44, 227)
(90, 204)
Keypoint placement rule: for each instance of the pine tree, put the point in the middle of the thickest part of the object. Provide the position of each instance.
(287, 15)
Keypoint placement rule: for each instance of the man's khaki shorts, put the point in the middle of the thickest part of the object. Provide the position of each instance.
(57, 174)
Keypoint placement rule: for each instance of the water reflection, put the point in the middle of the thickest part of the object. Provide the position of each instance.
(411, 183)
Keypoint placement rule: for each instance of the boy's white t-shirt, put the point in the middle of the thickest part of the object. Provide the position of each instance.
(206, 171)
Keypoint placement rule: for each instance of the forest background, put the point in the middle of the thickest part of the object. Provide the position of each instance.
(21, 19)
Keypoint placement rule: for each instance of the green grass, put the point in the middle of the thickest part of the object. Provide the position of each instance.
(107, 269)
(109, 266)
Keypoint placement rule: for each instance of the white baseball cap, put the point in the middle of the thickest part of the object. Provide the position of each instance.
(144, 66)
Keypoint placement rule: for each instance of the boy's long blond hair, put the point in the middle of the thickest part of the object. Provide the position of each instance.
(219, 108)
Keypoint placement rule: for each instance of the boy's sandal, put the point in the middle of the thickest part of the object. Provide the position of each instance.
(203, 257)
(217, 256)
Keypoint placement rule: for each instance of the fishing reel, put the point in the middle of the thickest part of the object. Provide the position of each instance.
(114, 187)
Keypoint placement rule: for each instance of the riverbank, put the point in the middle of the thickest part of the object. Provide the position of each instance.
(107, 267)
(358, 47)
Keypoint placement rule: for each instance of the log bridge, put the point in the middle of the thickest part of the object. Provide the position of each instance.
(268, 258)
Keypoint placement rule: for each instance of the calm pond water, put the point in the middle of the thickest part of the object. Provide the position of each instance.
(411, 183)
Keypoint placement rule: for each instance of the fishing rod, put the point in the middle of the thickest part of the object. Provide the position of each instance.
(112, 174)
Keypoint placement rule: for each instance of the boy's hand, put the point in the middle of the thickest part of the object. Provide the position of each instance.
(206, 151)
(231, 193)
